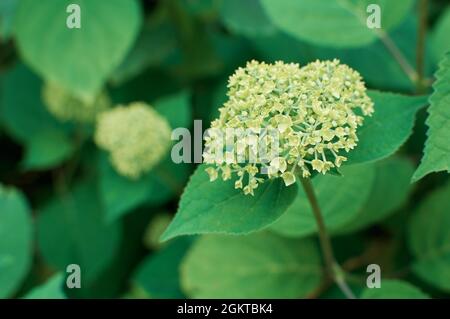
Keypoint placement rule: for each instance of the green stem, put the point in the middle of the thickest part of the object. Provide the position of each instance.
(333, 268)
(398, 56)
(420, 49)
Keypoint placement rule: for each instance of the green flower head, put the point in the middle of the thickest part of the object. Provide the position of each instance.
(314, 110)
(136, 136)
(65, 107)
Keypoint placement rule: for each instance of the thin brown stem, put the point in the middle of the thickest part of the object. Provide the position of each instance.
(334, 271)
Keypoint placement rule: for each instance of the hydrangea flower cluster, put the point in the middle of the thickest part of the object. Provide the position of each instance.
(315, 111)
(65, 107)
(136, 136)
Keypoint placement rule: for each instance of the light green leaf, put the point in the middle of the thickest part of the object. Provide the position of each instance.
(334, 23)
(429, 239)
(80, 60)
(436, 155)
(246, 18)
(176, 109)
(121, 195)
(262, 265)
(394, 289)
(393, 174)
(47, 149)
(72, 230)
(340, 198)
(24, 115)
(158, 275)
(440, 43)
(52, 289)
(217, 207)
(16, 240)
(389, 127)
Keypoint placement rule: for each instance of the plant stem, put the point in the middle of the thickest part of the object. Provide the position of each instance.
(333, 268)
(398, 56)
(420, 49)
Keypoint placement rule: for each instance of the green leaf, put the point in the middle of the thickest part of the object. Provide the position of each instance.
(121, 195)
(246, 18)
(24, 115)
(340, 198)
(80, 60)
(394, 289)
(262, 265)
(72, 230)
(176, 109)
(7, 12)
(334, 23)
(436, 155)
(47, 149)
(440, 43)
(16, 240)
(158, 275)
(52, 289)
(393, 174)
(388, 128)
(217, 207)
(158, 37)
(429, 239)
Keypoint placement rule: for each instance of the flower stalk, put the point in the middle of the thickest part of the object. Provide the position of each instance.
(334, 271)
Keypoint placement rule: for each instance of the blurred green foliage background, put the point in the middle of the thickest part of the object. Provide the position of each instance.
(61, 201)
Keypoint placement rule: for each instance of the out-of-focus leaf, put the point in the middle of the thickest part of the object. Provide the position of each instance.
(176, 109)
(388, 128)
(334, 23)
(23, 114)
(340, 198)
(261, 265)
(72, 230)
(121, 195)
(79, 60)
(393, 174)
(394, 289)
(436, 155)
(217, 207)
(16, 240)
(158, 275)
(7, 11)
(52, 289)
(47, 149)
(429, 239)
(440, 42)
(246, 17)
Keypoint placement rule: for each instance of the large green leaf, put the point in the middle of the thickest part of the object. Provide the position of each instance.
(72, 230)
(429, 239)
(80, 60)
(394, 289)
(217, 207)
(436, 155)
(246, 17)
(7, 12)
(340, 198)
(261, 265)
(16, 240)
(388, 128)
(393, 174)
(334, 23)
(52, 289)
(176, 108)
(158, 275)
